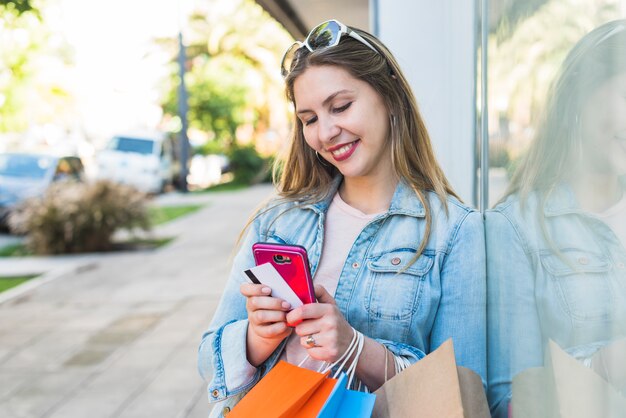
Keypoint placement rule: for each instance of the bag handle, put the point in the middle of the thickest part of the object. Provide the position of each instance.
(345, 356)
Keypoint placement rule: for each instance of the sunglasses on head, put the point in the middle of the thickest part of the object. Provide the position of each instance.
(324, 35)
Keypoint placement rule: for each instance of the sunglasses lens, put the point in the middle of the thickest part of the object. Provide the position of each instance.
(288, 58)
(325, 35)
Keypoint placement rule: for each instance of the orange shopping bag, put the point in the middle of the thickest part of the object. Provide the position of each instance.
(286, 391)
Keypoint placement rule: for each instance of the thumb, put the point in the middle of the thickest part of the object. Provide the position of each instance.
(322, 295)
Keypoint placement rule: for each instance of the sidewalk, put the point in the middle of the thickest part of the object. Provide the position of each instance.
(116, 335)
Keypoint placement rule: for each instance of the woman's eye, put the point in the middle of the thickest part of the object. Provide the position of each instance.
(342, 108)
(310, 121)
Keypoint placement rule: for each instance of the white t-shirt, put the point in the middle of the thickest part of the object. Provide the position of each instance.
(615, 218)
(342, 226)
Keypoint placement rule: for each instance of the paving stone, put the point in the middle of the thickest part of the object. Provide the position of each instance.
(120, 338)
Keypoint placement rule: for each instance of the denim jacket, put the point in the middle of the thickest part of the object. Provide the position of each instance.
(411, 309)
(570, 288)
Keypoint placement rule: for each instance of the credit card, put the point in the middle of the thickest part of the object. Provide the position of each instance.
(266, 274)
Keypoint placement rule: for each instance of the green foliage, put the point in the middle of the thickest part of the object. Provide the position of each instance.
(15, 250)
(78, 217)
(498, 154)
(211, 147)
(28, 91)
(524, 62)
(9, 282)
(230, 186)
(233, 50)
(246, 164)
(17, 7)
(161, 215)
(512, 13)
(217, 97)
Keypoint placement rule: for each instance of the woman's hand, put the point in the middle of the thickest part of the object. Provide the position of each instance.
(266, 321)
(325, 323)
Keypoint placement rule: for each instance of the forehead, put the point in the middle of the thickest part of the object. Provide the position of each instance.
(317, 83)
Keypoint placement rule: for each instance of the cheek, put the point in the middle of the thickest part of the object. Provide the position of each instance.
(310, 138)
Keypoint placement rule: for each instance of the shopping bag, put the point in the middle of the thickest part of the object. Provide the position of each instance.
(282, 392)
(345, 403)
(434, 387)
(315, 403)
(564, 388)
(289, 391)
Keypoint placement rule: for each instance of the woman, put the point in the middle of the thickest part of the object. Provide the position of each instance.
(555, 243)
(393, 252)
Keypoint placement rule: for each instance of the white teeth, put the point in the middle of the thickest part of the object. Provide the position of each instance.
(339, 152)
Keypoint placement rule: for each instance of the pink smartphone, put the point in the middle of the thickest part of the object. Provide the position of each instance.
(292, 263)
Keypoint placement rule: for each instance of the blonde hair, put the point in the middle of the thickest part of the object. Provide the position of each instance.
(307, 179)
(302, 176)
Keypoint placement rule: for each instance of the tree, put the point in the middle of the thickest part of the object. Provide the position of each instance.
(523, 63)
(16, 7)
(234, 50)
(29, 92)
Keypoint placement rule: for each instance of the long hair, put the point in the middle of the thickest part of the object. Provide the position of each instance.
(307, 179)
(556, 148)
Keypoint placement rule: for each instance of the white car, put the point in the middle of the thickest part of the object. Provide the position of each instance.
(146, 161)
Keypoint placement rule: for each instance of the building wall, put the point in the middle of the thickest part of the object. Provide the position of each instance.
(434, 41)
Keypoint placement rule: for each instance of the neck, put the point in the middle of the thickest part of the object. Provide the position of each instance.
(369, 195)
(597, 192)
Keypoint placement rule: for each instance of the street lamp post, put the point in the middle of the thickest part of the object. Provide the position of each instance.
(182, 113)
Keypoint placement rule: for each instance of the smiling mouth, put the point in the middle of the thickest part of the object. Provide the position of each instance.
(344, 151)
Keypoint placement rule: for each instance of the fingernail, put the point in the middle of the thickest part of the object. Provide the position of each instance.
(286, 305)
(266, 290)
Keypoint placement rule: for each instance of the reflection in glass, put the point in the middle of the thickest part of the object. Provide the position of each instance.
(555, 242)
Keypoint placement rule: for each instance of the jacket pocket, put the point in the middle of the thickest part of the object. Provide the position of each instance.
(395, 286)
(582, 283)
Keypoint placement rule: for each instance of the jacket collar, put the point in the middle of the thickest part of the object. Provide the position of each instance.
(561, 200)
(403, 202)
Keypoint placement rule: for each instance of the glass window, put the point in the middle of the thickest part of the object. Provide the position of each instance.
(556, 230)
(137, 145)
(24, 166)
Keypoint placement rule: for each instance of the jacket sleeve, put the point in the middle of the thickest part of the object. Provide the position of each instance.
(513, 324)
(462, 310)
(222, 359)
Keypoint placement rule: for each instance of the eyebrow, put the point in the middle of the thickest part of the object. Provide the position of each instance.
(327, 100)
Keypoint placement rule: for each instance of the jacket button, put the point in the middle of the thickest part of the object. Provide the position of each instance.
(215, 393)
(583, 260)
(395, 261)
(355, 265)
(225, 411)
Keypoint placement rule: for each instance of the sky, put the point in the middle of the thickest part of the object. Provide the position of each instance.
(117, 68)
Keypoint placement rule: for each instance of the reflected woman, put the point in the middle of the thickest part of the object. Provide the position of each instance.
(556, 257)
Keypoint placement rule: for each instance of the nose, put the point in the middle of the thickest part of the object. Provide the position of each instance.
(327, 129)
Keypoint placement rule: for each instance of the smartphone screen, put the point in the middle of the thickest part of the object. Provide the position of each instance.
(291, 262)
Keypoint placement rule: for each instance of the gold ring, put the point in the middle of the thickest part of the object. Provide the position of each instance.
(310, 341)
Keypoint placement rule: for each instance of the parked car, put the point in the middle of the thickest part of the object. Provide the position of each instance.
(207, 170)
(24, 175)
(146, 161)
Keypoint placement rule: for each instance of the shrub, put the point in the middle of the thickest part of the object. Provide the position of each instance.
(79, 217)
(246, 164)
(498, 154)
